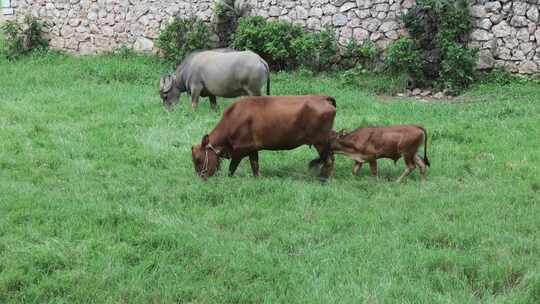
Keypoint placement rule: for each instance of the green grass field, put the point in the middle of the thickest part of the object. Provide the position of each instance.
(99, 202)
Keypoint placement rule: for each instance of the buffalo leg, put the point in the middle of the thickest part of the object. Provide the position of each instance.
(423, 168)
(235, 161)
(373, 167)
(357, 166)
(195, 93)
(409, 161)
(213, 103)
(254, 161)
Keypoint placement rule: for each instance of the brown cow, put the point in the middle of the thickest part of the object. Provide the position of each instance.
(371, 143)
(252, 124)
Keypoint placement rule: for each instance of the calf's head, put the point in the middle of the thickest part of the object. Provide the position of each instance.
(205, 158)
(168, 91)
(340, 141)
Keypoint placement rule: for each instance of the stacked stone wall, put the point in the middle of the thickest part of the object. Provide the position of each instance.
(506, 32)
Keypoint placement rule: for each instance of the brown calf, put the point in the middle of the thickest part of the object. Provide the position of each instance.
(371, 143)
(267, 123)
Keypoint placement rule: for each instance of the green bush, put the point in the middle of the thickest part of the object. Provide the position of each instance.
(436, 53)
(355, 53)
(403, 57)
(317, 51)
(278, 42)
(23, 38)
(457, 68)
(183, 36)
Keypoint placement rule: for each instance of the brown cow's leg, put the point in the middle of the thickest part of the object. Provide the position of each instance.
(423, 168)
(327, 168)
(373, 167)
(409, 161)
(235, 161)
(357, 166)
(316, 163)
(254, 160)
(213, 103)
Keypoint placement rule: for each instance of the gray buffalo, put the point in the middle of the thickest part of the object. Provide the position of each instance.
(220, 72)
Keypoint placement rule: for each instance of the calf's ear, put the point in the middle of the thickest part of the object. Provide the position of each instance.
(205, 140)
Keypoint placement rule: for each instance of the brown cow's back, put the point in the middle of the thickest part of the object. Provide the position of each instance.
(277, 122)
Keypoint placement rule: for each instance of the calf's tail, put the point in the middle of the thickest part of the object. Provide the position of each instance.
(426, 160)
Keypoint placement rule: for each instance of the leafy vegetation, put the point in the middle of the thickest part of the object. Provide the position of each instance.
(436, 53)
(226, 16)
(276, 41)
(183, 36)
(21, 38)
(355, 54)
(100, 204)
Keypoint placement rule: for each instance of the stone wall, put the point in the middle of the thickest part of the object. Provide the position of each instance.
(507, 32)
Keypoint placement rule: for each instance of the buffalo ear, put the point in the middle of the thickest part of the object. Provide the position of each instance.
(205, 141)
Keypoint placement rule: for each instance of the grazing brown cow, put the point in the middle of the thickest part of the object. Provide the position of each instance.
(252, 124)
(371, 143)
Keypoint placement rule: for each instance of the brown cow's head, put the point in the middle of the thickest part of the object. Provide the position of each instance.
(205, 158)
(168, 91)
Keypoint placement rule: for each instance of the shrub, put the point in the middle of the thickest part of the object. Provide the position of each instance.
(436, 52)
(355, 53)
(317, 51)
(276, 41)
(23, 38)
(403, 57)
(183, 36)
(285, 45)
(457, 68)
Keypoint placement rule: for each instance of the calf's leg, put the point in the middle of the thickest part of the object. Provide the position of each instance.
(409, 161)
(373, 167)
(422, 165)
(254, 161)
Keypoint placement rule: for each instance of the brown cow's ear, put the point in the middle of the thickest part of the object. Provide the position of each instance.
(205, 141)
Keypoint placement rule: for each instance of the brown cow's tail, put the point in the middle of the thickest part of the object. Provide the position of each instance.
(426, 160)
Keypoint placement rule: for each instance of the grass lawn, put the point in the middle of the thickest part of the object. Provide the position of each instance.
(99, 202)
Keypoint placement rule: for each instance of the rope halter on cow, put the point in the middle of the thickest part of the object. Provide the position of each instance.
(208, 147)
